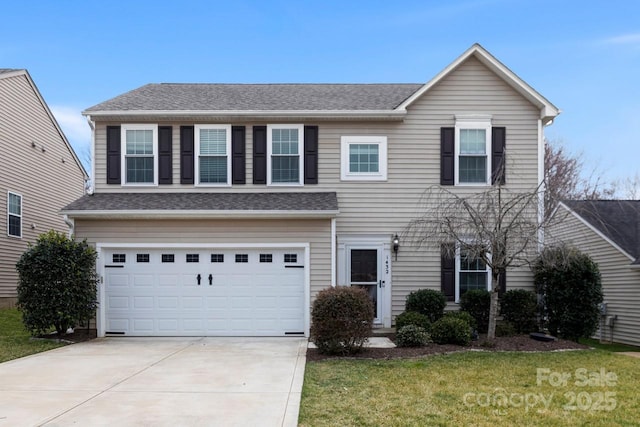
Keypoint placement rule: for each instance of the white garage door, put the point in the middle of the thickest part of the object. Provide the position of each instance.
(212, 292)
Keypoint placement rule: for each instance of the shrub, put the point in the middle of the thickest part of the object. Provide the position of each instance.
(428, 302)
(412, 318)
(505, 329)
(464, 316)
(412, 336)
(451, 330)
(570, 283)
(477, 304)
(519, 307)
(341, 320)
(57, 284)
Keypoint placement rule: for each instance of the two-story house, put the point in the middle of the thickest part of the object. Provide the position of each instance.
(39, 173)
(222, 209)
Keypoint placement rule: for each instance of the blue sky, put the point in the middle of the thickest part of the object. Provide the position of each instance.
(582, 55)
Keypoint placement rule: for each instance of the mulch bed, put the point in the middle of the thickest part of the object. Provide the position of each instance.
(516, 343)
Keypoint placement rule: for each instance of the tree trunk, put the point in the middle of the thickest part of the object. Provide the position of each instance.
(493, 307)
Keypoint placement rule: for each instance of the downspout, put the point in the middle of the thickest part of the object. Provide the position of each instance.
(71, 224)
(333, 252)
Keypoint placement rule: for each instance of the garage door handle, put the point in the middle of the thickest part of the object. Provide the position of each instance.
(199, 278)
(210, 280)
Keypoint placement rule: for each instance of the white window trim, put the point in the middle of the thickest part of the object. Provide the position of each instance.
(198, 128)
(123, 150)
(473, 122)
(346, 175)
(300, 128)
(9, 214)
(457, 274)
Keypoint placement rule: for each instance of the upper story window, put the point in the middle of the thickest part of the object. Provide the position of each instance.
(14, 215)
(140, 160)
(213, 145)
(284, 146)
(363, 158)
(472, 273)
(473, 146)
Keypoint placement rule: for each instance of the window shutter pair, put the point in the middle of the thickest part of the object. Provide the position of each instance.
(448, 151)
(187, 155)
(260, 155)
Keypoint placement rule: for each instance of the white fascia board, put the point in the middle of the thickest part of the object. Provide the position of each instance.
(547, 110)
(199, 214)
(595, 230)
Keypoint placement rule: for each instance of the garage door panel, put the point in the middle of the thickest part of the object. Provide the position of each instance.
(143, 303)
(116, 303)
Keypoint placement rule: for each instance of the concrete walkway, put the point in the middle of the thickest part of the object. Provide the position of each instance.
(157, 382)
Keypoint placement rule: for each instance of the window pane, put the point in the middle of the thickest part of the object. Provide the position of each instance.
(14, 204)
(363, 158)
(213, 142)
(14, 226)
(473, 141)
(213, 170)
(364, 265)
(139, 141)
(284, 141)
(285, 169)
(472, 281)
(140, 169)
(473, 169)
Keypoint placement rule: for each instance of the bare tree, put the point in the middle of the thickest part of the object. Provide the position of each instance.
(498, 226)
(629, 187)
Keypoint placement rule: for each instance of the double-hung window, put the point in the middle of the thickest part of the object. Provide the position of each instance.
(140, 160)
(285, 144)
(363, 158)
(14, 215)
(472, 273)
(213, 145)
(473, 146)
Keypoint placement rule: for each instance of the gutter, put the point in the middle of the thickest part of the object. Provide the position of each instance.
(200, 214)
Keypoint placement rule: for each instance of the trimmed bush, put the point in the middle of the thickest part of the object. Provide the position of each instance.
(451, 330)
(412, 336)
(468, 318)
(428, 302)
(57, 284)
(519, 307)
(341, 320)
(477, 303)
(571, 285)
(412, 318)
(505, 329)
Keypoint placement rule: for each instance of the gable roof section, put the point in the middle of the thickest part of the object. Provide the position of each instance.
(353, 101)
(547, 110)
(290, 204)
(617, 221)
(11, 72)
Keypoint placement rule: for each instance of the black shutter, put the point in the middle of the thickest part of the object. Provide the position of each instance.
(113, 155)
(187, 154)
(502, 283)
(498, 141)
(448, 271)
(238, 151)
(311, 154)
(165, 154)
(259, 154)
(447, 155)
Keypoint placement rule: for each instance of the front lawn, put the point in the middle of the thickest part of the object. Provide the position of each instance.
(587, 387)
(14, 339)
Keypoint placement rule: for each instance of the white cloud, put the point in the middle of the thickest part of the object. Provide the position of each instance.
(625, 39)
(76, 129)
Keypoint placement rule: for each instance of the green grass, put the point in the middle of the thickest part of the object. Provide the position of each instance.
(15, 340)
(470, 389)
(615, 347)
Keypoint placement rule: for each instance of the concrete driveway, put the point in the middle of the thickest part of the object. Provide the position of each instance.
(157, 382)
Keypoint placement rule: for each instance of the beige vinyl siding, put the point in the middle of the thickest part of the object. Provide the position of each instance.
(369, 207)
(47, 175)
(620, 283)
(316, 232)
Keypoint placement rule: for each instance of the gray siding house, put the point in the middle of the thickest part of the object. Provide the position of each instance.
(609, 232)
(222, 209)
(39, 173)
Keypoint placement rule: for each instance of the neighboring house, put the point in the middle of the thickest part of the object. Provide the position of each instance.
(39, 173)
(609, 232)
(222, 209)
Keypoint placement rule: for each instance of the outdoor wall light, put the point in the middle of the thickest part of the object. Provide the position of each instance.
(396, 245)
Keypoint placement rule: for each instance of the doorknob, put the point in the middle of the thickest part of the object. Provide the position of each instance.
(199, 278)
(210, 279)
(381, 283)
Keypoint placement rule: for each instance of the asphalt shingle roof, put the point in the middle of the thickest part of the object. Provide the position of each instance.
(259, 97)
(619, 220)
(307, 201)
